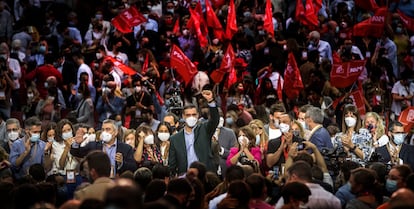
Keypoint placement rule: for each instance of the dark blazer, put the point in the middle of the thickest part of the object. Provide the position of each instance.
(227, 139)
(406, 154)
(177, 158)
(126, 150)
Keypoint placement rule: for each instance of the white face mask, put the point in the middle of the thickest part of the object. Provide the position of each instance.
(257, 139)
(284, 127)
(99, 56)
(138, 88)
(67, 135)
(92, 137)
(191, 121)
(106, 137)
(149, 139)
(50, 139)
(350, 121)
(243, 140)
(13, 135)
(164, 136)
(221, 122)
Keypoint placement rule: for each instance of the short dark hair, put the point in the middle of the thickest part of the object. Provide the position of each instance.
(404, 171)
(233, 173)
(302, 170)
(99, 161)
(189, 106)
(201, 167)
(179, 186)
(297, 190)
(257, 183)
(278, 107)
(394, 123)
(32, 121)
(143, 176)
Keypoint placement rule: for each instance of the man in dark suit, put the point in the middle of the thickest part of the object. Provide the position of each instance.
(120, 154)
(396, 151)
(223, 139)
(193, 143)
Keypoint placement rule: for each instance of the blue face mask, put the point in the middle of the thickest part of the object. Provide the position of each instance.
(229, 121)
(35, 138)
(118, 123)
(398, 138)
(398, 30)
(391, 185)
(42, 49)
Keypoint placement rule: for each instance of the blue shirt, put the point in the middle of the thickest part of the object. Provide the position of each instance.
(189, 144)
(111, 152)
(34, 157)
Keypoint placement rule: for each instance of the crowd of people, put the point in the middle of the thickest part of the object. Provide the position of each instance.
(77, 130)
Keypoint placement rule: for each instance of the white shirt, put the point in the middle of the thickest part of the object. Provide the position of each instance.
(274, 78)
(274, 133)
(84, 68)
(400, 90)
(215, 201)
(57, 151)
(120, 57)
(319, 198)
(17, 73)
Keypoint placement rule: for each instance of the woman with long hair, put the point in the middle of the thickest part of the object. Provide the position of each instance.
(147, 153)
(374, 123)
(246, 149)
(164, 132)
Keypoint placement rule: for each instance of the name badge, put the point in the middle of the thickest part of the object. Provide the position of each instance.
(70, 176)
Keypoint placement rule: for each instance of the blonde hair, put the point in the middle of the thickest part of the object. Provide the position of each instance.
(264, 138)
(380, 129)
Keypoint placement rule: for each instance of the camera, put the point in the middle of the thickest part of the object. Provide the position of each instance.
(174, 103)
(300, 146)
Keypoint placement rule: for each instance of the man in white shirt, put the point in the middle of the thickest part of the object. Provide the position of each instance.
(13, 66)
(300, 171)
(325, 51)
(402, 94)
(79, 60)
(272, 128)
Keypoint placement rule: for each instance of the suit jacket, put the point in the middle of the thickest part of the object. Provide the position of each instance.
(85, 112)
(227, 139)
(126, 150)
(97, 190)
(202, 145)
(406, 154)
(321, 139)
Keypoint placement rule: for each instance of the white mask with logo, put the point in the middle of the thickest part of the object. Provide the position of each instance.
(106, 137)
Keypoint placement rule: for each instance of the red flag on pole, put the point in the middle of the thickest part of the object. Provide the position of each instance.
(226, 65)
(345, 74)
(306, 13)
(407, 118)
(213, 22)
(231, 27)
(370, 5)
(127, 19)
(357, 98)
(176, 29)
(279, 87)
(374, 26)
(408, 21)
(232, 78)
(118, 64)
(293, 82)
(144, 68)
(268, 18)
(184, 67)
(197, 23)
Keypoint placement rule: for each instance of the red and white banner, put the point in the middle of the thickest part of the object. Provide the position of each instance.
(213, 22)
(374, 26)
(121, 66)
(127, 19)
(345, 74)
(183, 66)
(407, 118)
(408, 21)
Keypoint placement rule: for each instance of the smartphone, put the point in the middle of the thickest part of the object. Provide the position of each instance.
(300, 146)
(276, 172)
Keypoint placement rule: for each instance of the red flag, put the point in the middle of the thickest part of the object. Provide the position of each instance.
(232, 78)
(370, 5)
(268, 18)
(217, 3)
(182, 64)
(144, 68)
(345, 74)
(336, 58)
(197, 23)
(373, 26)
(226, 65)
(358, 99)
(127, 19)
(231, 27)
(279, 88)
(408, 21)
(125, 69)
(176, 29)
(407, 118)
(213, 22)
(293, 82)
(307, 14)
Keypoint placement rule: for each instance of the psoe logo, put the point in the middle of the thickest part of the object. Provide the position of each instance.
(410, 116)
(339, 69)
